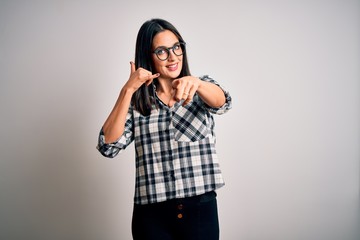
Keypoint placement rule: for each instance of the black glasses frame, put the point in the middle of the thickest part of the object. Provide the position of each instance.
(182, 46)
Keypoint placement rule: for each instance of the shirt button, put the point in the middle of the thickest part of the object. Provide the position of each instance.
(180, 206)
(179, 215)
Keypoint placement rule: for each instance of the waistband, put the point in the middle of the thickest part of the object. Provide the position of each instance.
(202, 198)
(205, 197)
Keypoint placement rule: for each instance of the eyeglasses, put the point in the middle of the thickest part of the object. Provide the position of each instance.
(163, 53)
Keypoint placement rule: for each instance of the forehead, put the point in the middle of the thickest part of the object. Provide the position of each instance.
(165, 38)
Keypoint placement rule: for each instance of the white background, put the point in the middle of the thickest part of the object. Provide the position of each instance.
(289, 148)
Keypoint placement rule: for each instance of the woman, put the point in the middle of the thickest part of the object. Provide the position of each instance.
(168, 114)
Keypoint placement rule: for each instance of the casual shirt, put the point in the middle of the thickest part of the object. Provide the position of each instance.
(174, 149)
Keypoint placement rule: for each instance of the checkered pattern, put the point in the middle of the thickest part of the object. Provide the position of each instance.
(175, 149)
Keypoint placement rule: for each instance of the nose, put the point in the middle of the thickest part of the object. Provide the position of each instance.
(172, 56)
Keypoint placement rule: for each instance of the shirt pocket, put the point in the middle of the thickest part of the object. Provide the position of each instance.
(190, 123)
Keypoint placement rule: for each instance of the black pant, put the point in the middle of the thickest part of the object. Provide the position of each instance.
(194, 218)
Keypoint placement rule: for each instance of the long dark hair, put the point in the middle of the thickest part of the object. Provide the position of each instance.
(144, 98)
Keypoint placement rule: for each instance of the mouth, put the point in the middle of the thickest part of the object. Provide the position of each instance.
(172, 67)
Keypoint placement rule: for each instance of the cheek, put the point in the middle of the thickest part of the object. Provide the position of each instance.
(157, 65)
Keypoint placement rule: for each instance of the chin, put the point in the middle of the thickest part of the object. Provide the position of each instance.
(172, 75)
(176, 75)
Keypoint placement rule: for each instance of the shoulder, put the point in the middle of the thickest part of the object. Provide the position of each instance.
(206, 78)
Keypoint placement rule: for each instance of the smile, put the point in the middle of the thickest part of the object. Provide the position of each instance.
(172, 67)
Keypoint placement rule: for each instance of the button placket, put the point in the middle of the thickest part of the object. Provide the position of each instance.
(180, 213)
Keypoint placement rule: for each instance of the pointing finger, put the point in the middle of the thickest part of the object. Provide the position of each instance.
(189, 98)
(179, 88)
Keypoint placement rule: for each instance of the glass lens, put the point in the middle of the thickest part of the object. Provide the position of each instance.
(162, 53)
(178, 49)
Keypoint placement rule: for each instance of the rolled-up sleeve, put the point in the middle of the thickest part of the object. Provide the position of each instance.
(228, 101)
(110, 150)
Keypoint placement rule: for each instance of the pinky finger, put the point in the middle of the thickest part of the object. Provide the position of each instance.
(151, 78)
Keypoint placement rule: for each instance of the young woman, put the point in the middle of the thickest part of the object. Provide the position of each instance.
(168, 114)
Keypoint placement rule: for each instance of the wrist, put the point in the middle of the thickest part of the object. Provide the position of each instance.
(199, 83)
(128, 90)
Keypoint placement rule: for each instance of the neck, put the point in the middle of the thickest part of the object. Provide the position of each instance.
(164, 86)
(165, 91)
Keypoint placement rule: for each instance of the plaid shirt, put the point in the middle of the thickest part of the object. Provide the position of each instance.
(175, 149)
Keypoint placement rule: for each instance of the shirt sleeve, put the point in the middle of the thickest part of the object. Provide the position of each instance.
(110, 150)
(228, 101)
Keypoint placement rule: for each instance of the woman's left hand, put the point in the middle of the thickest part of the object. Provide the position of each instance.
(185, 88)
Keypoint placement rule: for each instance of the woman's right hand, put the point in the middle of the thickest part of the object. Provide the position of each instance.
(138, 77)
(115, 123)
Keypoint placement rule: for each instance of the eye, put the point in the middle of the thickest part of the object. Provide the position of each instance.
(160, 51)
(177, 46)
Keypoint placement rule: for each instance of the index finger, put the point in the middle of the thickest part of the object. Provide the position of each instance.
(179, 89)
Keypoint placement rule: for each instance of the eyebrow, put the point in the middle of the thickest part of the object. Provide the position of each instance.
(167, 47)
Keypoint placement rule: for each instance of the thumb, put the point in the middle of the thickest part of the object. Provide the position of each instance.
(175, 83)
(132, 67)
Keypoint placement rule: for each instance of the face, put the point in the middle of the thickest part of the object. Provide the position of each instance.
(171, 67)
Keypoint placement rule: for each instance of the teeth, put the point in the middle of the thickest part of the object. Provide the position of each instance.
(174, 65)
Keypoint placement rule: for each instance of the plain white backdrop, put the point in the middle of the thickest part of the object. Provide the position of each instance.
(289, 148)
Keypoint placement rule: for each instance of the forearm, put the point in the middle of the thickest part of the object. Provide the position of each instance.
(211, 94)
(114, 125)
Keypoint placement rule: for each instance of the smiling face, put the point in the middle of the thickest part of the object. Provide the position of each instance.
(171, 67)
